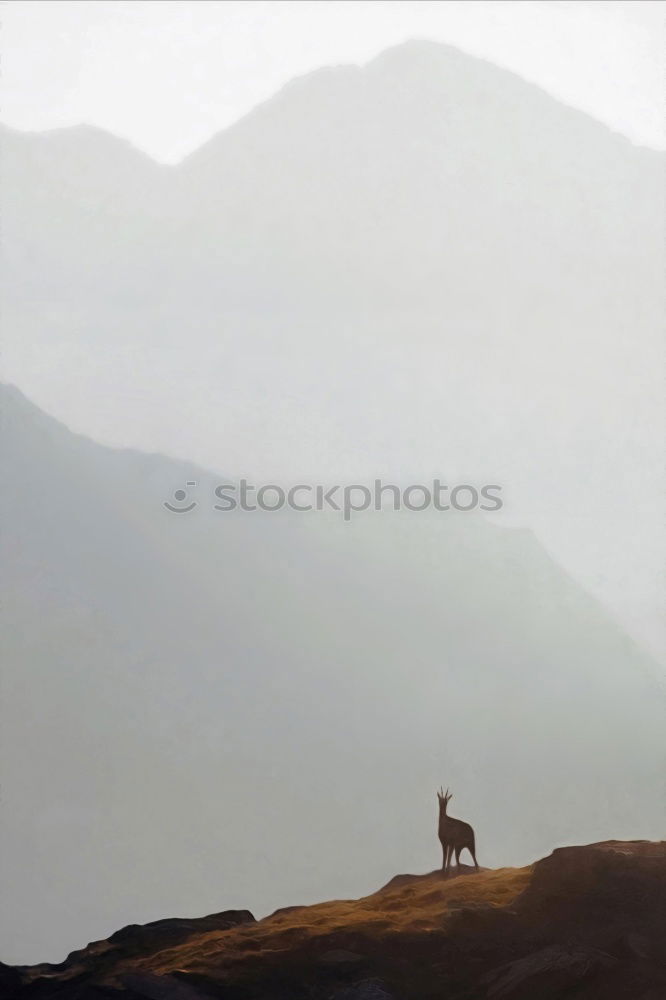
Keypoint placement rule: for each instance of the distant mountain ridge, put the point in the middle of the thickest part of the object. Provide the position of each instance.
(423, 264)
(424, 267)
(174, 686)
(414, 48)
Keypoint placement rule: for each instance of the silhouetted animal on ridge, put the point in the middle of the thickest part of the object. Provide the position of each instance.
(454, 834)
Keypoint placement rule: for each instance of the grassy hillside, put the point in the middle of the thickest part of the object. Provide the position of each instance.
(585, 922)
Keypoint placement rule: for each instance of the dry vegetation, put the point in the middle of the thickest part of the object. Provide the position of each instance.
(584, 921)
(421, 906)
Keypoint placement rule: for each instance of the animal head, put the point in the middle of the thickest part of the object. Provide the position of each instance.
(443, 798)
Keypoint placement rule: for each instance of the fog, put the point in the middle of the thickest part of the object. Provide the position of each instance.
(425, 267)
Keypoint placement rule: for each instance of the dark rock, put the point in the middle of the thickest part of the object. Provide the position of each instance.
(139, 938)
(546, 973)
(340, 957)
(10, 981)
(159, 987)
(366, 990)
(100, 957)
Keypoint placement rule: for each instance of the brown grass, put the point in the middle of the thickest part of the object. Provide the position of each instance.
(421, 907)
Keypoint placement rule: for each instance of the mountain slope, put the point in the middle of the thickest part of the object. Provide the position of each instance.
(585, 921)
(263, 705)
(426, 266)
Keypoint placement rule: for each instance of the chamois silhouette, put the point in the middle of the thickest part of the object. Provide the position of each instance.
(454, 834)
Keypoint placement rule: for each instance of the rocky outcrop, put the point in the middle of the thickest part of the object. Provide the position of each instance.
(83, 969)
(585, 922)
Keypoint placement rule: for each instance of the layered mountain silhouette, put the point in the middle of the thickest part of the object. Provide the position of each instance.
(216, 710)
(423, 266)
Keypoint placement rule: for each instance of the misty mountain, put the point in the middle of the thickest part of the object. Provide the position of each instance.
(351, 177)
(216, 710)
(423, 266)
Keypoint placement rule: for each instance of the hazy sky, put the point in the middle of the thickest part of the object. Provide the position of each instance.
(167, 75)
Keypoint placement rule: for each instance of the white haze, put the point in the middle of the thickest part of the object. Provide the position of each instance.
(425, 266)
(168, 75)
(203, 712)
(422, 267)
